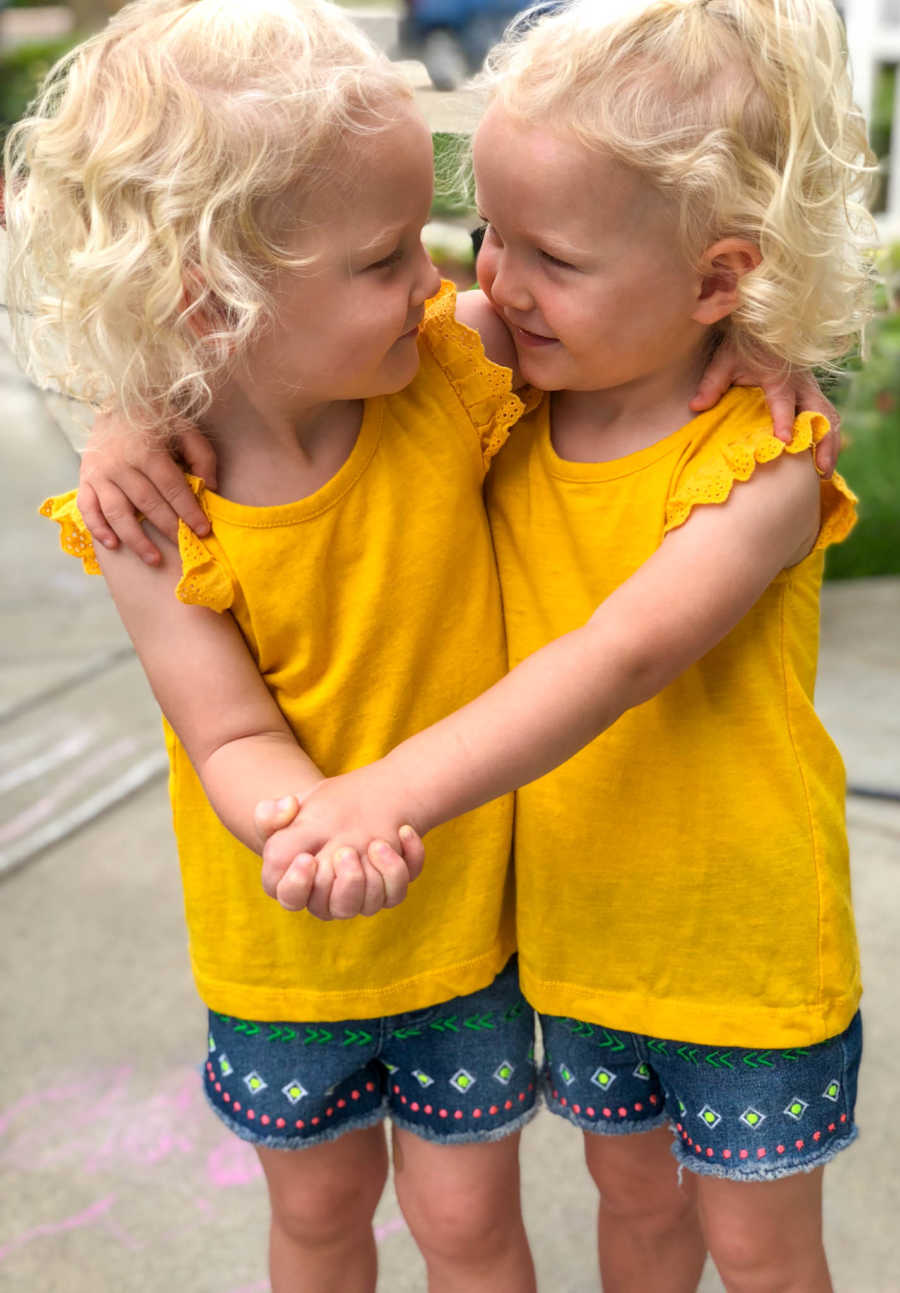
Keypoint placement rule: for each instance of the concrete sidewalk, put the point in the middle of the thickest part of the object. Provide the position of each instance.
(114, 1178)
(112, 1174)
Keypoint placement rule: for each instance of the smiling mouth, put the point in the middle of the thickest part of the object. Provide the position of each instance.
(534, 338)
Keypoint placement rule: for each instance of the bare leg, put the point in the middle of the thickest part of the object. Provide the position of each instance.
(462, 1204)
(648, 1230)
(766, 1236)
(323, 1199)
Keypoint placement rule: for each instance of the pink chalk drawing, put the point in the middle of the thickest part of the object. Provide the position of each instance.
(232, 1163)
(96, 1213)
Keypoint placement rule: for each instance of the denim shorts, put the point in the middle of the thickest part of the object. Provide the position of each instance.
(747, 1114)
(460, 1071)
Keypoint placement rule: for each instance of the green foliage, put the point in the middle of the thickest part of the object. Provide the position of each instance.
(869, 404)
(453, 187)
(21, 70)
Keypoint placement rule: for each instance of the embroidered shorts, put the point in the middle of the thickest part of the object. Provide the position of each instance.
(460, 1071)
(735, 1112)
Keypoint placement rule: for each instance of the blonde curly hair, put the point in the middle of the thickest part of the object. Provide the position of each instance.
(144, 190)
(741, 112)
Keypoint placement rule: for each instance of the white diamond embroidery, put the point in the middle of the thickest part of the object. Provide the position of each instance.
(294, 1091)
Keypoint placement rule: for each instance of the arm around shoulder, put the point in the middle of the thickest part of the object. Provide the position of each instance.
(476, 312)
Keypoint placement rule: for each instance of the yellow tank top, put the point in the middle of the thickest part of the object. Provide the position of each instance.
(685, 875)
(372, 609)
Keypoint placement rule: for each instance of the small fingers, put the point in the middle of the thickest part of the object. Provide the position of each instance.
(199, 457)
(115, 509)
(393, 871)
(827, 451)
(714, 382)
(270, 815)
(413, 851)
(294, 888)
(348, 892)
(319, 900)
(375, 897)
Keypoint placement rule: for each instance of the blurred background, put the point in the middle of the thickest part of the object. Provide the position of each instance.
(443, 41)
(112, 1174)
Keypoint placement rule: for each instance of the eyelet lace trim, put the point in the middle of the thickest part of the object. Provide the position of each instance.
(204, 581)
(74, 536)
(712, 481)
(484, 388)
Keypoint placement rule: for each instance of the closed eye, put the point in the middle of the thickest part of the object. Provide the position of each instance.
(393, 258)
(555, 260)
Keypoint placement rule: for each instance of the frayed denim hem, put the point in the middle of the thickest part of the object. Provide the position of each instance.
(594, 1127)
(297, 1142)
(755, 1173)
(467, 1137)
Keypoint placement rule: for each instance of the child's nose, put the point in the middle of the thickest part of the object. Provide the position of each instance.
(508, 288)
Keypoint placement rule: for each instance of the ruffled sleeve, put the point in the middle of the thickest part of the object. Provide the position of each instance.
(74, 536)
(720, 461)
(205, 579)
(484, 388)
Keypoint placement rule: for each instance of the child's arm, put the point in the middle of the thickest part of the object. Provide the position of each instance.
(703, 579)
(240, 744)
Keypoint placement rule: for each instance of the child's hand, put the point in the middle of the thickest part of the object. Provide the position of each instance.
(123, 475)
(343, 885)
(786, 397)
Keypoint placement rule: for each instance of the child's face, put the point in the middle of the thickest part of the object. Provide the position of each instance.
(581, 259)
(347, 324)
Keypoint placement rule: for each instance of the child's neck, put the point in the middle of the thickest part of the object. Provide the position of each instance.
(603, 425)
(271, 452)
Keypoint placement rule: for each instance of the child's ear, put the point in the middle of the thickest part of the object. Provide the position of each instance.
(723, 265)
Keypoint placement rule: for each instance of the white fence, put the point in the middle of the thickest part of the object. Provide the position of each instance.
(873, 37)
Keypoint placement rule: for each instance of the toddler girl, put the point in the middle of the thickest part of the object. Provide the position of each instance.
(683, 908)
(215, 213)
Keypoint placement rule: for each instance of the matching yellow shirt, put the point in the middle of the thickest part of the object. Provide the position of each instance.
(372, 609)
(686, 874)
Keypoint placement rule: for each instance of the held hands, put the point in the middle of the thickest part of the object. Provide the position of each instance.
(785, 396)
(319, 856)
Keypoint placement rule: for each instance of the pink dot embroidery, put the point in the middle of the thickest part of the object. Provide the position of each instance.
(476, 1113)
(679, 1126)
(442, 1113)
(697, 1149)
(226, 1096)
(743, 1153)
(403, 1100)
(250, 1114)
(709, 1153)
(530, 1086)
(493, 1109)
(329, 1112)
(831, 1126)
(760, 1153)
(342, 1104)
(315, 1121)
(415, 1106)
(429, 1108)
(522, 1097)
(689, 1141)
(354, 1095)
(508, 1104)
(218, 1086)
(555, 1095)
(396, 1089)
(779, 1149)
(279, 1122)
(299, 1124)
(638, 1108)
(607, 1113)
(370, 1086)
(590, 1112)
(622, 1111)
(458, 1113)
(563, 1102)
(843, 1117)
(237, 1106)
(799, 1144)
(576, 1108)
(653, 1099)
(817, 1135)
(726, 1153)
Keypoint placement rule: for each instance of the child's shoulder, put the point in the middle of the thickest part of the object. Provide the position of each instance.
(458, 372)
(728, 445)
